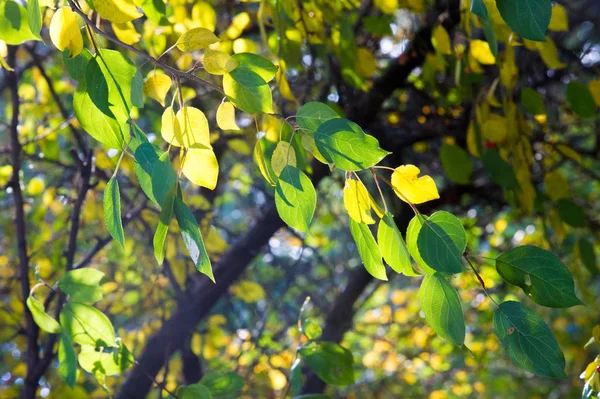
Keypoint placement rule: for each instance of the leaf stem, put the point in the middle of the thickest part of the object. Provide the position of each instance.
(480, 279)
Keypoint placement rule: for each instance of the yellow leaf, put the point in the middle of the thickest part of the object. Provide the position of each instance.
(157, 86)
(238, 24)
(126, 32)
(226, 117)
(194, 128)
(411, 188)
(559, 21)
(387, 6)
(549, 54)
(248, 291)
(215, 61)
(284, 86)
(64, 31)
(170, 129)
(200, 166)
(259, 158)
(4, 53)
(196, 39)
(357, 201)
(441, 40)
(283, 155)
(557, 186)
(35, 186)
(117, 11)
(594, 87)
(480, 50)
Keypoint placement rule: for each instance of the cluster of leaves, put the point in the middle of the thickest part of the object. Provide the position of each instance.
(111, 91)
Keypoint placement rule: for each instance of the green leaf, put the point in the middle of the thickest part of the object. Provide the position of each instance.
(137, 90)
(368, 249)
(119, 76)
(112, 211)
(192, 237)
(97, 86)
(313, 396)
(571, 213)
(499, 170)
(254, 63)
(295, 198)
(34, 17)
(441, 241)
(106, 130)
(392, 246)
(87, 325)
(42, 319)
(330, 362)
(532, 101)
(248, 91)
(456, 163)
(527, 18)
(441, 304)
(76, 66)
(166, 214)
(155, 11)
(145, 158)
(194, 391)
(587, 255)
(14, 25)
(223, 384)
(312, 115)
(344, 144)
(478, 8)
(82, 284)
(581, 100)
(67, 360)
(528, 341)
(541, 275)
(163, 178)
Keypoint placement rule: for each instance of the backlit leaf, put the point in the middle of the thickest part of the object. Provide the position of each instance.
(160, 235)
(14, 27)
(392, 246)
(330, 361)
(248, 91)
(112, 211)
(357, 201)
(215, 61)
(64, 31)
(157, 86)
(226, 117)
(87, 325)
(368, 250)
(67, 359)
(44, 321)
(283, 155)
(34, 17)
(254, 63)
(117, 11)
(480, 50)
(295, 198)
(82, 285)
(312, 115)
(441, 304)
(192, 238)
(344, 144)
(201, 167)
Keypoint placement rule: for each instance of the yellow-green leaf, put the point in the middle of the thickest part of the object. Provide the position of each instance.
(194, 129)
(126, 32)
(411, 188)
(64, 31)
(283, 155)
(259, 158)
(215, 61)
(42, 319)
(196, 39)
(248, 291)
(357, 201)
(117, 11)
(226, 117)
(201, 167)
(157, 86)
(559, 21)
